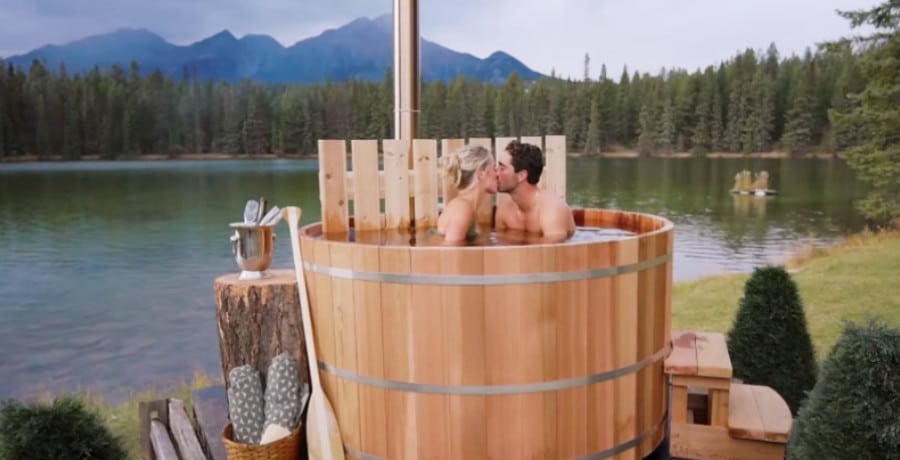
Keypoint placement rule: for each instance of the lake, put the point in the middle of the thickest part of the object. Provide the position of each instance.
(108, 267)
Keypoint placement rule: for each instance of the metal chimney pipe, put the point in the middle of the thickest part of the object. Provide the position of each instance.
(406, 69)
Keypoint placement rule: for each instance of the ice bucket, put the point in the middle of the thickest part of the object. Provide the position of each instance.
(252, 246)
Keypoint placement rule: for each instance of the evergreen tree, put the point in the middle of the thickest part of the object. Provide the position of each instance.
(578, 108)
(876, 112)
(455, 117)
(854, 409)
(622, 129)
(553, 122)
(606, 101)
(633, 109)
(702, 133)
(717, 126)
(648, 125)
(762, 118)
(740, 99)
(769, 343)
(685, 90)
(515, 91)
(592, 143)
(64, 428)
(800, 121)
(537, 109)
(851, 81)
(666, 133)
(484, 110)
(502, 113)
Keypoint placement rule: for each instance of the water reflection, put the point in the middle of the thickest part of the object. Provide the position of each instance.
(750, 207)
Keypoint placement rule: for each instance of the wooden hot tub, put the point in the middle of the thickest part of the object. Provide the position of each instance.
(508, 352)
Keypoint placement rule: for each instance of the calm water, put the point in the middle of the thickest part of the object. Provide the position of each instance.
(107, 269)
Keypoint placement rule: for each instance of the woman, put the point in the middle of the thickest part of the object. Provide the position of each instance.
(471, 171)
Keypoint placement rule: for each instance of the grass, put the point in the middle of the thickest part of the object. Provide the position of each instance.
(122, 419)
(849, 281)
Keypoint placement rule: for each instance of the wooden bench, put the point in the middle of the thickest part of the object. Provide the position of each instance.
(167, 433)
(699, 360)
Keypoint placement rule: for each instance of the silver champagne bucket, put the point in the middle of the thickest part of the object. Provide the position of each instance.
(252, 246)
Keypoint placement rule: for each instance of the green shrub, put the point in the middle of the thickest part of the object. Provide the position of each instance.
(63, 429)
(854, 409)
(768, 342)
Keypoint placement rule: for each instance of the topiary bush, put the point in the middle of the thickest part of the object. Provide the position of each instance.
(64, 429)
(768, 342)
(854, 409)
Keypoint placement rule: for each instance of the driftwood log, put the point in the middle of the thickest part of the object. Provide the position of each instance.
(257, 320)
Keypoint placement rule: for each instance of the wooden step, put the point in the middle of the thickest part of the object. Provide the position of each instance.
(757, 412)
(699, 360)
(702, 354)
(704, 442)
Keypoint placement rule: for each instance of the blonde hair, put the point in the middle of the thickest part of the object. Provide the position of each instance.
(459, 167)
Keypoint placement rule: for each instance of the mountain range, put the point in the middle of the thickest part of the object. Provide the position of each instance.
(361, 49)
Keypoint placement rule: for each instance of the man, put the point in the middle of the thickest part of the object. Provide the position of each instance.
(531, 209)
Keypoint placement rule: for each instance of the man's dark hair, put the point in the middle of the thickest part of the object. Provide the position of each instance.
(528, 157)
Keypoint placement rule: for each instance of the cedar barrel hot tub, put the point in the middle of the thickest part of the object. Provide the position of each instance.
(496, 351)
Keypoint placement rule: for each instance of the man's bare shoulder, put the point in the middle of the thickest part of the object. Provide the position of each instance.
(552, 202)
(556, 215)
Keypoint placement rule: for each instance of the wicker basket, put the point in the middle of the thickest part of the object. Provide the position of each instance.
(283, 449)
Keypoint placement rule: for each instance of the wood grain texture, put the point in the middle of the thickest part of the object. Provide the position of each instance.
(509, 334)
(257, 320)
(425, 186)
(183, 431)
(368, 189)
(210, 406)
(345, 347)
(711, 442)
(370, 354)
(396, 183)
(333, 185)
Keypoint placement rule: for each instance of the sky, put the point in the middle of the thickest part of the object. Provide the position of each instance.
(546, 35)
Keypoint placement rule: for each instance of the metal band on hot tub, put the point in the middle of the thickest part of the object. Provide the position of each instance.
(484, 280)
(481, 390)
(615, 450)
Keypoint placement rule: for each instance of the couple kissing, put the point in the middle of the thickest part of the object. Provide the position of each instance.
(532, 213)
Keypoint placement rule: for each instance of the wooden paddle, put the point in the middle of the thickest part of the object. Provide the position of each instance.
(323, 436)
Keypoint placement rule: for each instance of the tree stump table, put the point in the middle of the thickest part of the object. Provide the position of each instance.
(257, 320)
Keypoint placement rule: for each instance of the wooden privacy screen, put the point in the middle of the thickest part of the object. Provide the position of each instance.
(409, 181)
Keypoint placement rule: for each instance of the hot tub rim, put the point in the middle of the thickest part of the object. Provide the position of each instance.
(306, 231)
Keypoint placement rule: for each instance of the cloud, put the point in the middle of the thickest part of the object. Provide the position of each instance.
(644, 34)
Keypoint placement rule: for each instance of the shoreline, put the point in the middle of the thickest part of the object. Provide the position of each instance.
(628, 154)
